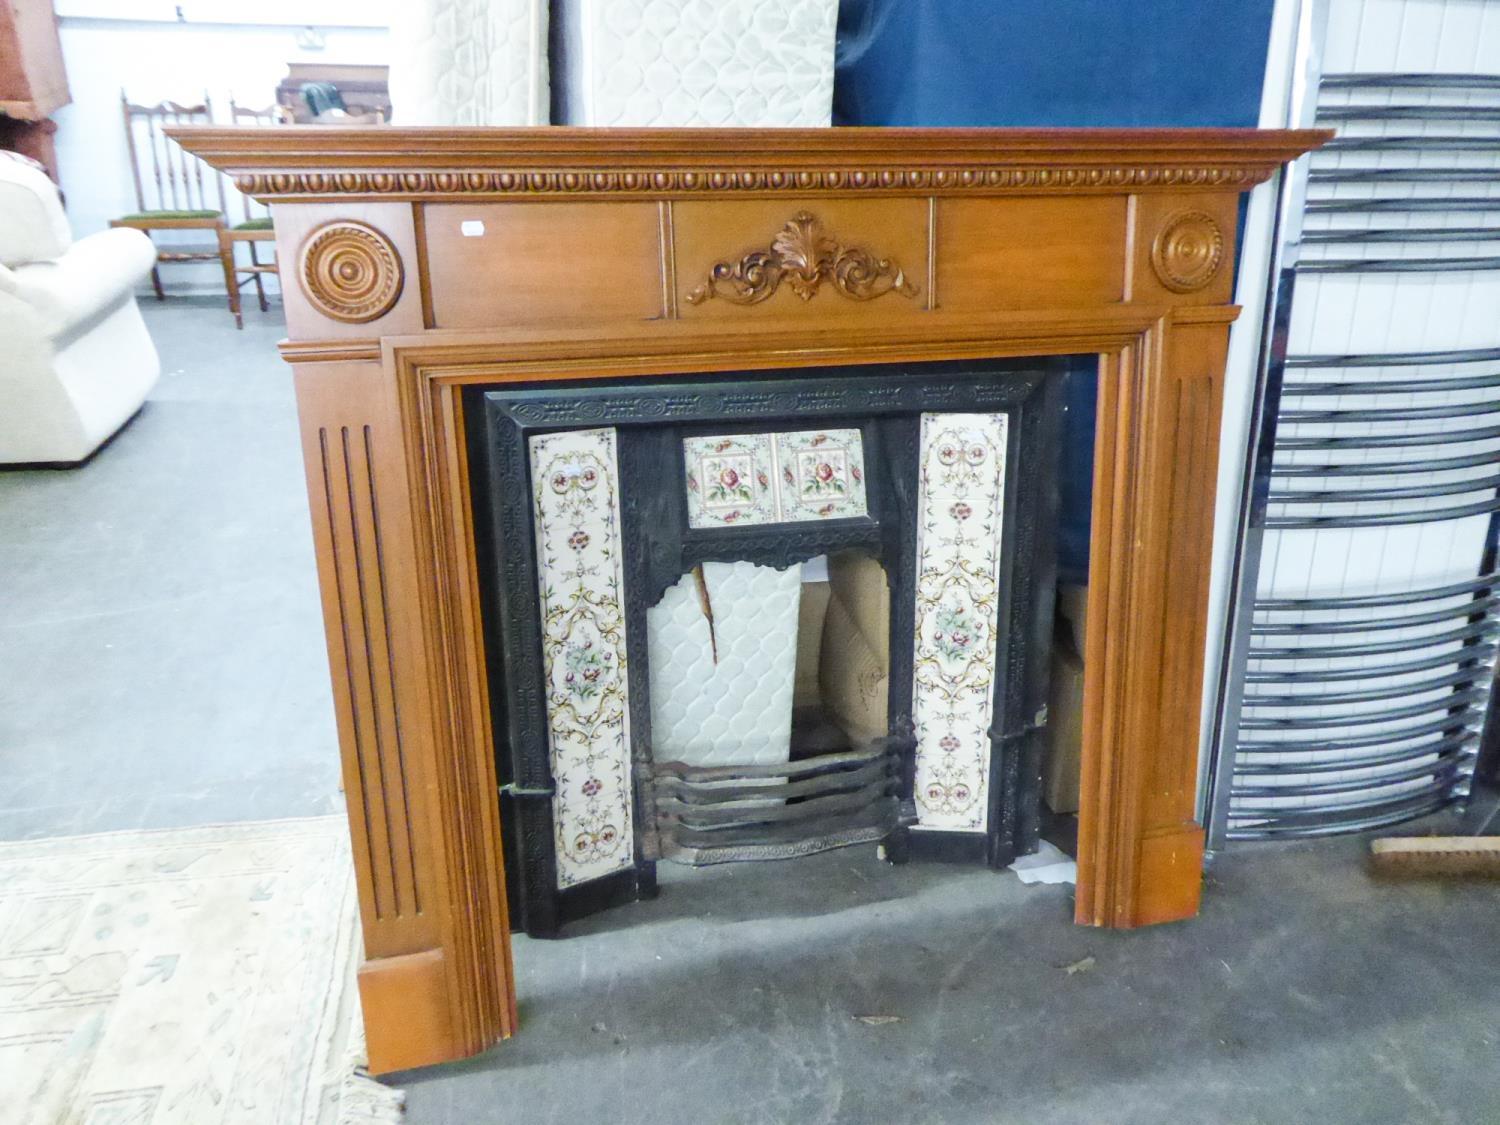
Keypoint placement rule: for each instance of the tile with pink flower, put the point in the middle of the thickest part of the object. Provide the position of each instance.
(738, 479)
(730, 480)
(822, 475)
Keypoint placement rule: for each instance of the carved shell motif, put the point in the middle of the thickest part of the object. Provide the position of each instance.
(804, 257)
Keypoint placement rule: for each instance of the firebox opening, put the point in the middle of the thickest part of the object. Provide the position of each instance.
(769, 692)
(667, 687)
(751, 665)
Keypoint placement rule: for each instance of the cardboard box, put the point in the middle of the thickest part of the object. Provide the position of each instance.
(855, 667)
(811, 612)
(1060, 772)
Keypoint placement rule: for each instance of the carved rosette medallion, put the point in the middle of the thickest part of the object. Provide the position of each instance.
(804, 257)
(351, 272)
(1188, 251)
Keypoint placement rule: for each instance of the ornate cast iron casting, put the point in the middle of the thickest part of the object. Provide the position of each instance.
(804, 257)
(699, 814)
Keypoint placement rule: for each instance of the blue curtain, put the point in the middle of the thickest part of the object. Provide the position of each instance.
(1053, 62)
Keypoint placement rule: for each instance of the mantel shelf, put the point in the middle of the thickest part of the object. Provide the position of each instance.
(310, 162)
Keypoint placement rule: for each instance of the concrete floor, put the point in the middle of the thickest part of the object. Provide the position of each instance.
(1306, 992)
(162, 663)
(161, 644)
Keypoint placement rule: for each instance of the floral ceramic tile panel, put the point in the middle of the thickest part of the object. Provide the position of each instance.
(735, 479)
(961, 504)
(731, 480)
(822, 475)
(576, 504)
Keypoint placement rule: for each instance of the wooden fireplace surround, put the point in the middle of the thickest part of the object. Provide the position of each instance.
(597, 260)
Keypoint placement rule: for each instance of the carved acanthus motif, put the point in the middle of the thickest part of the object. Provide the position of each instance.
(804, 257)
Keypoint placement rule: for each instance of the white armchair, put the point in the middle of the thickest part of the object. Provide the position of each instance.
(76, 362)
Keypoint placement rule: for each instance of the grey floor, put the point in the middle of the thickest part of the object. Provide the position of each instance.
(161, 651)
(1305, 993)
(161, 663)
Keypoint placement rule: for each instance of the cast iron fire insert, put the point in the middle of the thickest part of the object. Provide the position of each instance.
(650, 419)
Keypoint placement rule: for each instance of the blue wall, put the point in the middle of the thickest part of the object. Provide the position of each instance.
(1053, 62)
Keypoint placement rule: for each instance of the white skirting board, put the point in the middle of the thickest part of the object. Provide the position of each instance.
(695, 62)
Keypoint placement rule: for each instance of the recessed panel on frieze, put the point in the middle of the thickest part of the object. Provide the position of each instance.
(997, 254)
(491, 263)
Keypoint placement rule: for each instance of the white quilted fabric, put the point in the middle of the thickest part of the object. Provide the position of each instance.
(739, 711)
(469, 62)
(697, 62)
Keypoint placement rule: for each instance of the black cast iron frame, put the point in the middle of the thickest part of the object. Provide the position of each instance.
(651, 416)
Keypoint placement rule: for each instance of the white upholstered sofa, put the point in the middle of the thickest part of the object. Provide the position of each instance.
(75, 359)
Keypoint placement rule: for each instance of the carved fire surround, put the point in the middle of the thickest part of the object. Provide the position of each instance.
(968, 244)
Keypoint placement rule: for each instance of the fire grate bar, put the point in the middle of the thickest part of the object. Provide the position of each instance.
(739, 814)
(685, 792)
(874, 822)
(783, 810)
(881, 749)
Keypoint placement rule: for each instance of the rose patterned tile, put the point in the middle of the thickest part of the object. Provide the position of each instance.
(576, 504)
(730, 480)
(774, 478)
(822, 475)
(961, 504)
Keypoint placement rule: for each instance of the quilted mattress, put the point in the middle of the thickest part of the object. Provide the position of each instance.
(469, 62)
(695, 62)
(738, 711)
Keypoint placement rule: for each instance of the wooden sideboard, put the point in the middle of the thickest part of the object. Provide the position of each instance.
(33, 80)
(420, 262)
(364, 88)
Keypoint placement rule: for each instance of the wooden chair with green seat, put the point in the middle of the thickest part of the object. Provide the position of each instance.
(176, 194)
(253, 228)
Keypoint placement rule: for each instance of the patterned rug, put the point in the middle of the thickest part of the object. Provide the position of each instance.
(202, 976)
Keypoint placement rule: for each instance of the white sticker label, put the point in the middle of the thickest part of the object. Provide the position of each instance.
(471, 228)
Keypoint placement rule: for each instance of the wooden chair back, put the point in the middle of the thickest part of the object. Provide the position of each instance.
(166, 177)
(249, 118)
